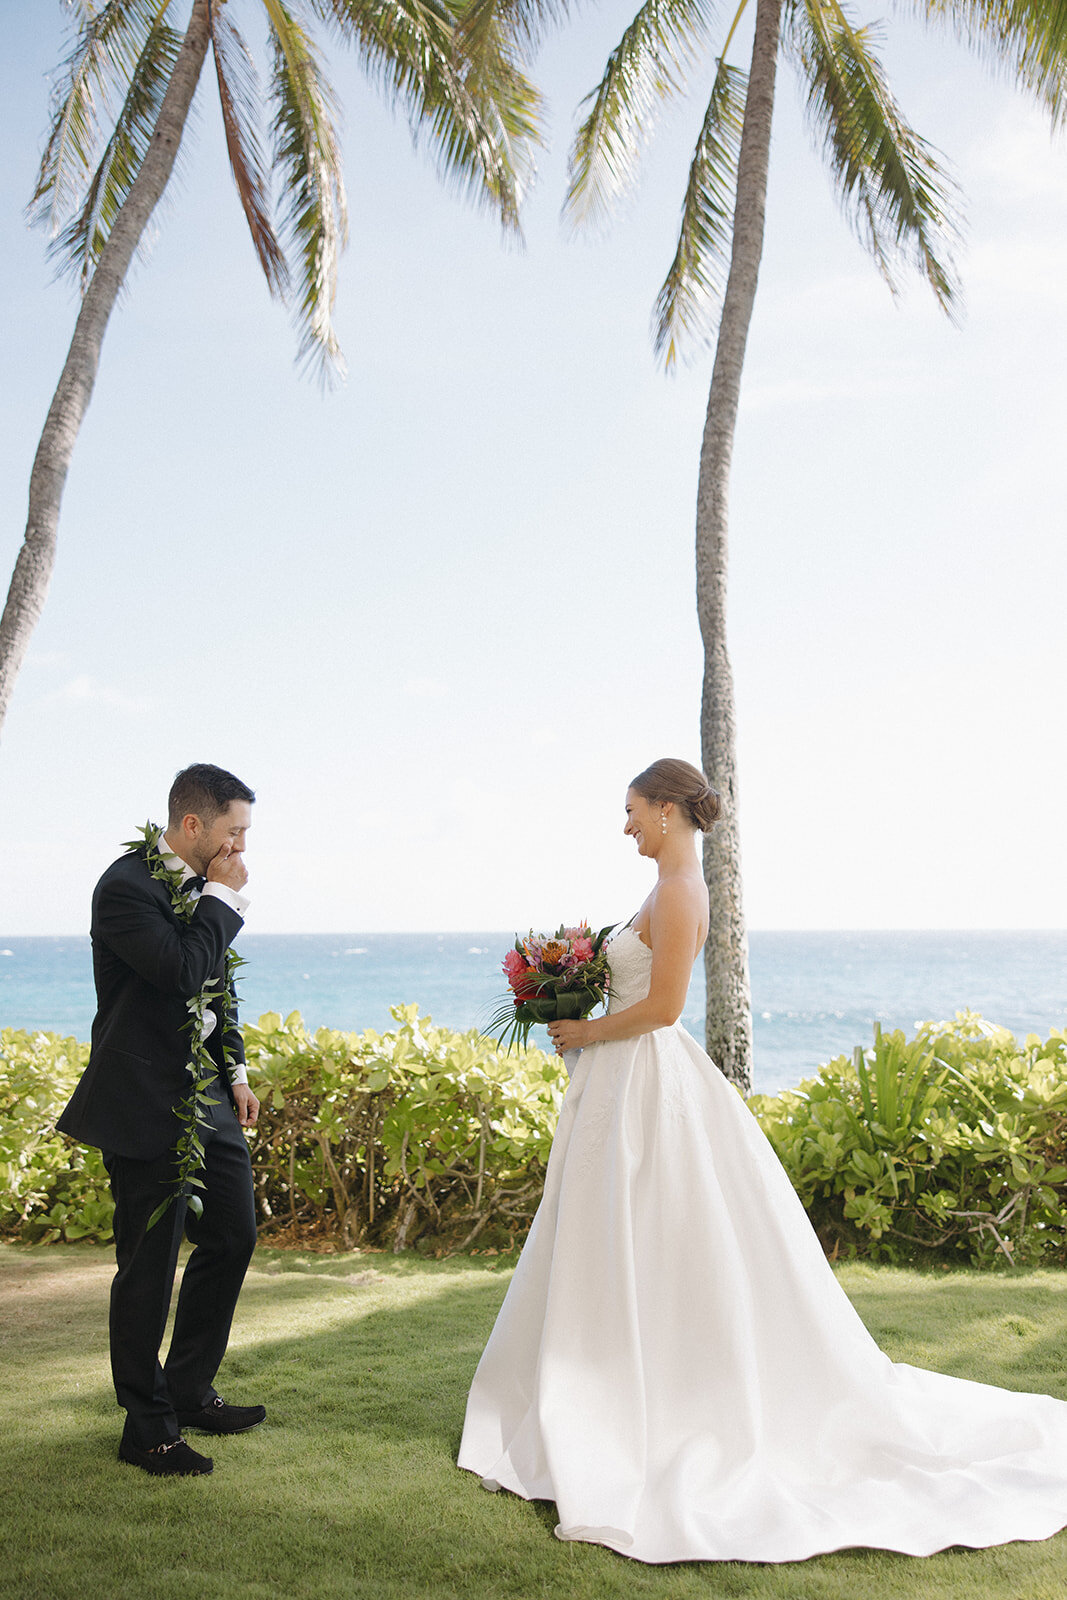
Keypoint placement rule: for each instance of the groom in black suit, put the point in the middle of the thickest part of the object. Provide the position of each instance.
(148, 963)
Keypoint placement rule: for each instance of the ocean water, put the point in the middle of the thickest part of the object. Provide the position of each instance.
(814, 995)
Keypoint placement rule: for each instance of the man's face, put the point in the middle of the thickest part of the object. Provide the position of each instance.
(229, 827)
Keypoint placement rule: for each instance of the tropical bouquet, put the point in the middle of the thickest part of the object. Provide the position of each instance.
(552, 977)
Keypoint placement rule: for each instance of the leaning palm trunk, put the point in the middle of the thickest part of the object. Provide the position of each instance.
(728, 1018)
(33, 568)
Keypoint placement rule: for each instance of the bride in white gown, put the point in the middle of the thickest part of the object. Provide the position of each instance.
(674, 1364)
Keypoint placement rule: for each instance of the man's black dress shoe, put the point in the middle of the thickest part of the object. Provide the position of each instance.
(172, 1459)
(218, 1417)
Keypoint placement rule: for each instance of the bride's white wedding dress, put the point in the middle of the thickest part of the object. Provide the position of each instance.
(676, 1367)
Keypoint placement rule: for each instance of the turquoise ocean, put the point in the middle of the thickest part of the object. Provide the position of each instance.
(814, 995)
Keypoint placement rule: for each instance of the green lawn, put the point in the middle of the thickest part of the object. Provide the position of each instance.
(349, 1489)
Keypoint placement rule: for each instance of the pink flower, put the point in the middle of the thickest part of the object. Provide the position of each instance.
(514, 966)
(583, 950)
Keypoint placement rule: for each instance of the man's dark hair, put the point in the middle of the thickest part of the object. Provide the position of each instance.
(204, 790)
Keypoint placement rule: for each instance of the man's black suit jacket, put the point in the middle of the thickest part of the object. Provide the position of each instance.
(147, 965)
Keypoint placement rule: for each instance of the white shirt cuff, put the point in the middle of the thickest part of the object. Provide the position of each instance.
(238, 1073)
(229, 897)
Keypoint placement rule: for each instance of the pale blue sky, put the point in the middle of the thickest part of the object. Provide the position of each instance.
(440, 617)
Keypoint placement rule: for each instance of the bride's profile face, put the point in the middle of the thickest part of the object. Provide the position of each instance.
(642, 821)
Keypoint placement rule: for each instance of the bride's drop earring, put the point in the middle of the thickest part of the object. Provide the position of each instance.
(663, 822)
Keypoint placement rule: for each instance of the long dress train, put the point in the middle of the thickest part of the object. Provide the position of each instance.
(677, 1368)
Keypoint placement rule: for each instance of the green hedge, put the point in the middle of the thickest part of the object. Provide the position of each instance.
(951, 1145)
(419, 1136)
(49, 1187)
(415, 1136)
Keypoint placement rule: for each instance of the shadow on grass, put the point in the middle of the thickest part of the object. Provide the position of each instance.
(1008, 1330)
(397, 1371)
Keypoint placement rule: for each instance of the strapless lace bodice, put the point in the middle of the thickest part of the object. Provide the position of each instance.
(630, 961)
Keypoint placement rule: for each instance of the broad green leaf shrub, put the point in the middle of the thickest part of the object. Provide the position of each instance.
(419, 1136)
(49, 1188)
(951, 1145)
(415, 1136)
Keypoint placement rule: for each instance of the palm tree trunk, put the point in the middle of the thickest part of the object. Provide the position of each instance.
(728, 1018)
(36, 558)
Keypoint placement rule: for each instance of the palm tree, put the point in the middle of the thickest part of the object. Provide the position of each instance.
(454, 67)
(901, 203)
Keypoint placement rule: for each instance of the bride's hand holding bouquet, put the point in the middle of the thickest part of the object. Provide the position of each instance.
(571, 1033)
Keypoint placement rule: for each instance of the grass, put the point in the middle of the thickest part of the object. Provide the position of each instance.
(350, 1489)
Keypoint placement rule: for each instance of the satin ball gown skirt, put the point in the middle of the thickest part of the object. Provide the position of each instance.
(676, 1367)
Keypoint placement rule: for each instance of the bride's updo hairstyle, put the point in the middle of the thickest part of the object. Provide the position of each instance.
(684, 785)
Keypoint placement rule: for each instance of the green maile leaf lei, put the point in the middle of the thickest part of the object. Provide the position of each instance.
(191, 1111)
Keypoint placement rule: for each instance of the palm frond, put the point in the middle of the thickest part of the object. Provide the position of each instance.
(697, 274)
(487, 134)
(524, 21)
(84, 8)
(308, 155)
(891, 183)
(239, 96)
(456, 71)
(102, 61)
(1025, 40)
(79, 245)
(646, 68)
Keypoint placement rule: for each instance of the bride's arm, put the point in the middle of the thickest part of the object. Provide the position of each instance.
(675, 933)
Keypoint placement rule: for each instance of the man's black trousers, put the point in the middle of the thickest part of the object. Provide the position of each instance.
(223, 1239)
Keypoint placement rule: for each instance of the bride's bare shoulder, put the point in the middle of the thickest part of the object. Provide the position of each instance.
(681, 896)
